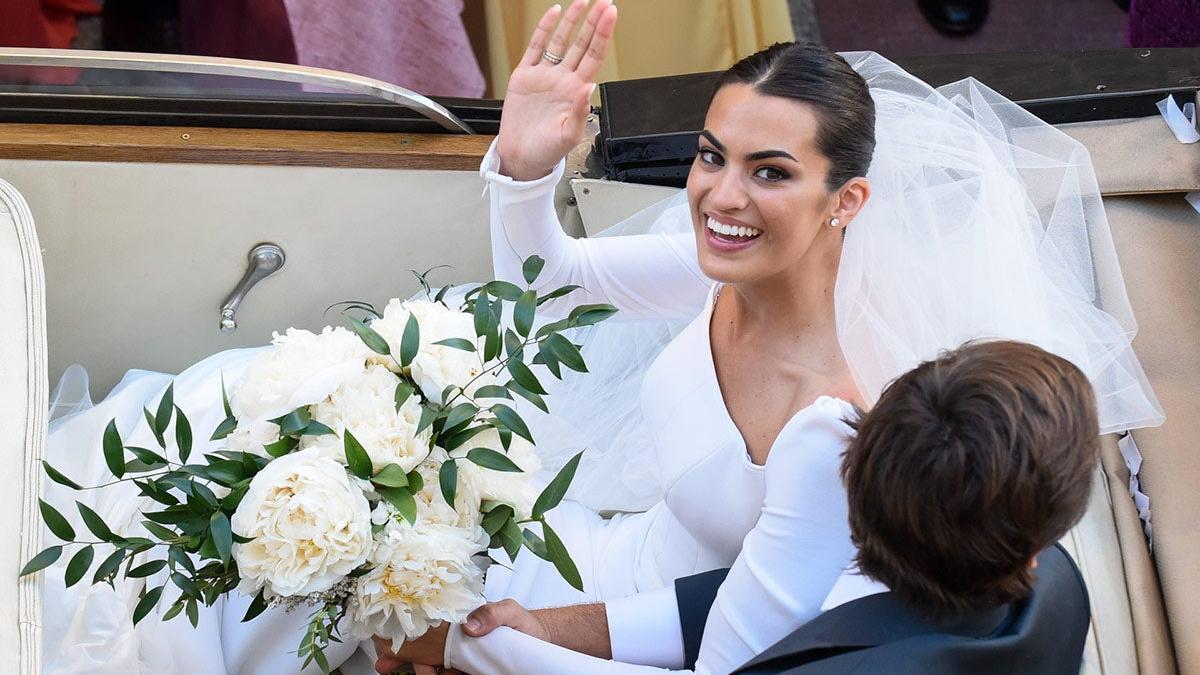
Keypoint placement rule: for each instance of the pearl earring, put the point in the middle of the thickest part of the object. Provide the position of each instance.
(834, 222)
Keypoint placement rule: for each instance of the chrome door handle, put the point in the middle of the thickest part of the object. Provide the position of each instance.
(265, 260)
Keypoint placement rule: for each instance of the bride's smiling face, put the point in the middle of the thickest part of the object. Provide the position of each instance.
(757, 188)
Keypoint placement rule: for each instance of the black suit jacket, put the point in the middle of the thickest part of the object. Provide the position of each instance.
(1044, 633)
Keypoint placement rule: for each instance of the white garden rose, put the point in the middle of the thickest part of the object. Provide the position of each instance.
(252, 436)
(300, 368)
(365, 404)
(422, 575)
(516, 489)
(435, 367)
(310, 527)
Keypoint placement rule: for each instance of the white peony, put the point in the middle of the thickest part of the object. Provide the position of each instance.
(300, 368)
(422, 575)
(431, 503)
(252, 436)
(310, 526)
(509, 487)
(365, 404)
(435, 367)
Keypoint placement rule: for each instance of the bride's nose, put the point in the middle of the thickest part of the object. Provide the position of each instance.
(728, 193)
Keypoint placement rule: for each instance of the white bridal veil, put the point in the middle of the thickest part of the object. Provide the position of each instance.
(984, 222)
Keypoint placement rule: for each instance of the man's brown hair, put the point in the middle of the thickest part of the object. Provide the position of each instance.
(966, 468)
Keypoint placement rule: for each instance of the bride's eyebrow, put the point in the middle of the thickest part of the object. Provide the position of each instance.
(754, 156)
(713, 139)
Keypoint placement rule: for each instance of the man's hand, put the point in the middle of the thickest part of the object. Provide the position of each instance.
(427, 650)
(505, 613)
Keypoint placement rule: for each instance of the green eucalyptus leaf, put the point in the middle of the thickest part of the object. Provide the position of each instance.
(177, 555)
(193, 612)
(495, 519)
(428, 415)
(524, 376)
(490, 459)
(223, 429)
(402, 500)
(512, 538)
(510, 419)
(586, 315)
(162, 532)
(257, 606)
(146, 604)
(404, 391)
(566, 352)
(529, 396)
(536, 545)
(56, 476)
(491, 346)
(114, 450)
(561, 558)
(552, 327)
(357, 458)
(108, 568)
(94, 522)
(503, 290)
(557, 293)
(185, 584)
(416, 482)
(294, 422)
(532, 267)
(523, 313)
(391, 475)
(158, 436)
(55, 521)
(492, 391)
(42, 560)
(183, 435)
(460, 414)
(457, 343)
(315, 428)
(166, 405)
(146, 456)
(410, 341)
(448, 480)
(514, 346)
(482, 314)
(457, 439)
(78, 565)
(146, 569)
(281, 447)
(557, 488)
(222, 535)
(225, 397)
(175, 609)
(373, 340)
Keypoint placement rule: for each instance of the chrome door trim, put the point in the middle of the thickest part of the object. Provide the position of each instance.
(215, 65)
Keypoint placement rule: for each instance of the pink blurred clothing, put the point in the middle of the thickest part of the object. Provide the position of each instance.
(418, 44)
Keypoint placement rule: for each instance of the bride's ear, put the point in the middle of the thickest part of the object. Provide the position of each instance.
(850, 199)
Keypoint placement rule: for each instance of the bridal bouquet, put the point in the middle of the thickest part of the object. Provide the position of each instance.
(363, 471)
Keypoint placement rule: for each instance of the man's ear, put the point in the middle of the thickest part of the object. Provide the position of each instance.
(850, 199)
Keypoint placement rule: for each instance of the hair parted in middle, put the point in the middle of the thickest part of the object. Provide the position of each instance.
(966, 468)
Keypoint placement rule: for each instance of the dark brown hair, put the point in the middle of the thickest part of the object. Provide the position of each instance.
(839, 96)
(966, 468)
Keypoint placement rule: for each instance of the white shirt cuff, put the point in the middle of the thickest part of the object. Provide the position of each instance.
(489, 170)
(645, 629)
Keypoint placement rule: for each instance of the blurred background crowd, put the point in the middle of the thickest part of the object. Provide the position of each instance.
(468, 47)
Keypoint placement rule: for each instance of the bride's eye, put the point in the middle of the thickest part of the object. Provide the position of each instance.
(710, 156)
(771, 174)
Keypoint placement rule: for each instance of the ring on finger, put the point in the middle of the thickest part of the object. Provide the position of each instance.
(552, 58)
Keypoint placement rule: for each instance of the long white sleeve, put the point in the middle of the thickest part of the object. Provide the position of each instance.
(643, 276)
(787, 566)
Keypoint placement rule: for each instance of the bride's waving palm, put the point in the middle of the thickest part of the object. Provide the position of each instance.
(546, 106)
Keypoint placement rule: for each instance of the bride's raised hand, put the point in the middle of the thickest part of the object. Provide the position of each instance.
(547, 103)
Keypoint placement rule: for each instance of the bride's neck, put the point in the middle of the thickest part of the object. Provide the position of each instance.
(796, 303)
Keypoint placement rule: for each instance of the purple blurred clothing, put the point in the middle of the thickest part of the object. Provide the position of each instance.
(418, 44)
(1164, 23)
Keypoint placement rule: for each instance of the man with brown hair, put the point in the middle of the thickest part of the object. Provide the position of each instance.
(959, 481)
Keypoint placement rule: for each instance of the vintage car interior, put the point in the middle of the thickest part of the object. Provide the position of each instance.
(165, 208)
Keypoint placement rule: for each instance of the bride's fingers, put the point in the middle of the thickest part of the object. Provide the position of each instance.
(558, 43)
(593, 58)
(537, 43)
(579, 47)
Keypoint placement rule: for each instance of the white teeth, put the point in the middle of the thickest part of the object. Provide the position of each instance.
(732, 230)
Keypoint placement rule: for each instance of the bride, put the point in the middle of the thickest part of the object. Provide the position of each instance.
(842, 222)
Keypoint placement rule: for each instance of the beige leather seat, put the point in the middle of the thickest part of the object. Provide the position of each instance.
(23, 403)
(1138, 624)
